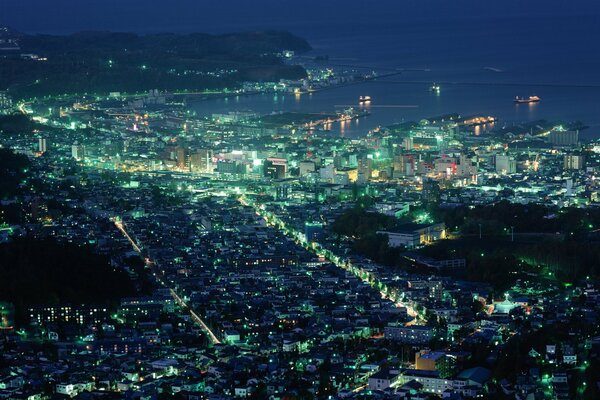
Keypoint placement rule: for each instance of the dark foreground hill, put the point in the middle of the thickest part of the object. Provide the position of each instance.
(35, 272)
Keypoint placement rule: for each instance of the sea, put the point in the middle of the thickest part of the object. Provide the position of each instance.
(482, 54)
(480, 66)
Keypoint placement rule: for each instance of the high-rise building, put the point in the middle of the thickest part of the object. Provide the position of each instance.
(505, 164)
(327, 173)
(42, 145)
(275, 168)
(431, 191)
(574, 161)
(5, 103)
(78, 151)
(231, 167)
(7, 314)
(306, 167)
(365, 167)
(201, 161)
(404, 165)
(181, 157)
(282, 189)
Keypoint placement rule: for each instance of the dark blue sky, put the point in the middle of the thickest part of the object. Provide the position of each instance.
(62, 16)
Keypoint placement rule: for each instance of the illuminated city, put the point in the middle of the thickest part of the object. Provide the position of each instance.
(299, 201)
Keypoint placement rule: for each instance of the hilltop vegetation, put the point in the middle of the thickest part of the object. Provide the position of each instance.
(36, 272)
(13, 169)
(556, 244)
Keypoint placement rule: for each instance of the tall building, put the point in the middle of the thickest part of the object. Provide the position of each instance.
(505, 164)
(365, 167)
(231, 167)
(431, 191)
(465, 166)
(5, 103)
(7, 314)
(78, 151)
(574, 161)
(42, 145)
(181, 157)
(404, 165)
(306, 167)
(327, 173)
(201, 161)
(445, 166)
(282, 189)
(275, 168)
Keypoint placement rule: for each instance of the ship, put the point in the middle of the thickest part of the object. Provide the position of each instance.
(435, 88)
(364, 99)
(531, 99)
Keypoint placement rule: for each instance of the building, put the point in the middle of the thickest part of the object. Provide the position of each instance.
(414, 334)
(413, 235)
(42, 145)
(431, 380)
(82, 315)
(136, 312)
(574, 161)
(468, 383)
(382, 380)
(431, 191)
(404, 165)
(327, 173)
(561, 138)
(5, 103)
(78, 151)
(275, 168)
(436, 290)
(282, 189)
(201, 161)
(231, 167)
(181, 157)
(505, 164)
(426, 360)
(313, 231)
(306, 167)
(460, 166)
(7, 313)
(166, 302)
(266, 262)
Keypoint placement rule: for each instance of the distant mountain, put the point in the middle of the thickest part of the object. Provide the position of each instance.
(9, 39)
(194, 43)
(100, 62)
(7, 31)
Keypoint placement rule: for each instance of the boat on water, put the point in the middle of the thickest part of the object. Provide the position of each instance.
(435, 88)
(530, 99)
(364, 99)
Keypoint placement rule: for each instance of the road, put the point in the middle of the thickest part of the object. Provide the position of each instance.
(180, 301)
(339, 262)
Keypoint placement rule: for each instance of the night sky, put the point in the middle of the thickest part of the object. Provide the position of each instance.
(63, 16)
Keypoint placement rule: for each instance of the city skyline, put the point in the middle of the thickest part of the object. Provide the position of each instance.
(299, 200)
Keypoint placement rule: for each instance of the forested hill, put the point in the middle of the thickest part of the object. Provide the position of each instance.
(100, 62)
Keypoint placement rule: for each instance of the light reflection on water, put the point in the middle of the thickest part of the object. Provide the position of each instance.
(395, 103)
